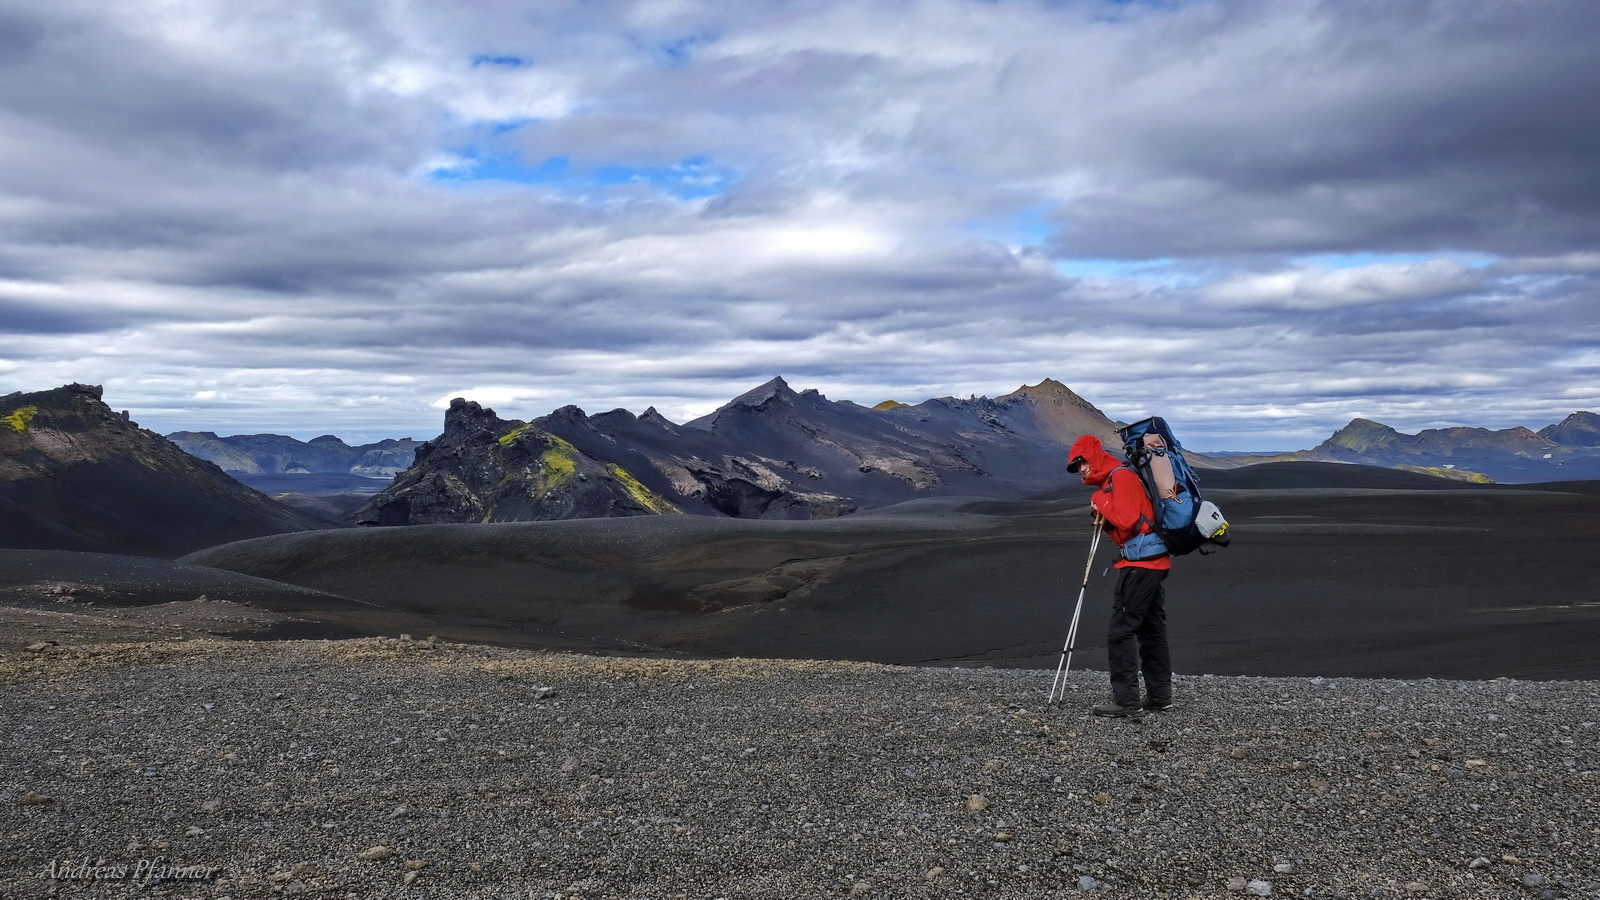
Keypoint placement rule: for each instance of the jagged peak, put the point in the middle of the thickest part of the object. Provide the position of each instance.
(652, 415)
(571, 412)
(467, 416)
(1048, 389)
(765, 393)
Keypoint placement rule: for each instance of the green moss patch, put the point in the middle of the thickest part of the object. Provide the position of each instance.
(640, 494)
(20, 417)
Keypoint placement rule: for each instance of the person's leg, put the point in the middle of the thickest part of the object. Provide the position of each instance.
(1136, 589)
(1155, 659)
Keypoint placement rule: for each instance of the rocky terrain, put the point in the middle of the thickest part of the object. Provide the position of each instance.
(418, 768)
(74, 475)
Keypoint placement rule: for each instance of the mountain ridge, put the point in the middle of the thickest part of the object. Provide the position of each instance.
(74, 475)
(770, 452)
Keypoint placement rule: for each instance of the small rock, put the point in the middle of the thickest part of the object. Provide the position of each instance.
(1532, 880)
(194, 831)
(373, 854)
(859, 888)
(211, 806)
(1479, 863)
(1003, 837)
(1508, 858)
(40, 646)
(410, 876)
(1236, 753)
(1286, 868)
(977, 803)
(416, 865)
(1237, 884)
(1416, 887)
(32, 798)
(1085, 883)
(1258, 888)
(934, 873)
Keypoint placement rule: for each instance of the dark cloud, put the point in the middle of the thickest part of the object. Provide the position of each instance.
(308, 217)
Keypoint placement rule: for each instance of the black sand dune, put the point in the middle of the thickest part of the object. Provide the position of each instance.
(71, 586)
(1460, 582)
(119, 506)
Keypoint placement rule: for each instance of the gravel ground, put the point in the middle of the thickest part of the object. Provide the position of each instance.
(405, 768)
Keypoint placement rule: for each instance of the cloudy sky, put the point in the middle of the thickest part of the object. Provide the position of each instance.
(1259, 219)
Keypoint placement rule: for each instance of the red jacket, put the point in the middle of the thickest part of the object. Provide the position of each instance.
(1121, 498)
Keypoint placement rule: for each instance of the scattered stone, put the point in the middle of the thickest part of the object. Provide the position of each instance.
(1416, 887)
(1237, 883)
(416, 865)
(1259, 888)
(410, 876)
(374, 854)
(977, 803)
(1481, 862)
(859, 888)
(934, 873)
(32, 798)
(40, 646)
(1086, 883)
(194, 831)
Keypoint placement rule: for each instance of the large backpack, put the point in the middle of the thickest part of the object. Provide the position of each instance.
(1185, 521)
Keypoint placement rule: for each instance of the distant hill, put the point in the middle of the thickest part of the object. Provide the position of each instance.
(771, 452)
(277, 454)
(1569, 450)
(74, 475)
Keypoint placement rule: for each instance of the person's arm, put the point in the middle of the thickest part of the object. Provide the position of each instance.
(1125, 502)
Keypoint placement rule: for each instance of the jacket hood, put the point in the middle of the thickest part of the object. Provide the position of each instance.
(1097, 462)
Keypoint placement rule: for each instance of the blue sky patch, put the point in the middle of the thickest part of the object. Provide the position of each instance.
(504, 61)
(692, 178)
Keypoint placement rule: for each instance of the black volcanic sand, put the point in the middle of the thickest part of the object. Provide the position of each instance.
(1449, 581)
(68, 597)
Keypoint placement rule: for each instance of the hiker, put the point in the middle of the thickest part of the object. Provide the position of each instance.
(1137, 639)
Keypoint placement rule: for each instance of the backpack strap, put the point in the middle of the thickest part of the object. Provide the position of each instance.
(1145, 525)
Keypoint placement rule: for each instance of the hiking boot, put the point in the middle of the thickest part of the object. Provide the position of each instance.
(1158, 704)
(1118, 711)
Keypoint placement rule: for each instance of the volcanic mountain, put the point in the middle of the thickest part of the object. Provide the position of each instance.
(770, 453)
(74, 475)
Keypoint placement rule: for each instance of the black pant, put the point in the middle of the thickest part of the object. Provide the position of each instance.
(1137, 640)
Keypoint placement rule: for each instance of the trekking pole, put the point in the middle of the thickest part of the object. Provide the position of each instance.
(1060, 683)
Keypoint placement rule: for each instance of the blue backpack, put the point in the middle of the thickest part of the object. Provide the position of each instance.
(1184, 520)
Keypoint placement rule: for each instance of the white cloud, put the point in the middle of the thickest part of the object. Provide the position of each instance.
(1322, 288)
